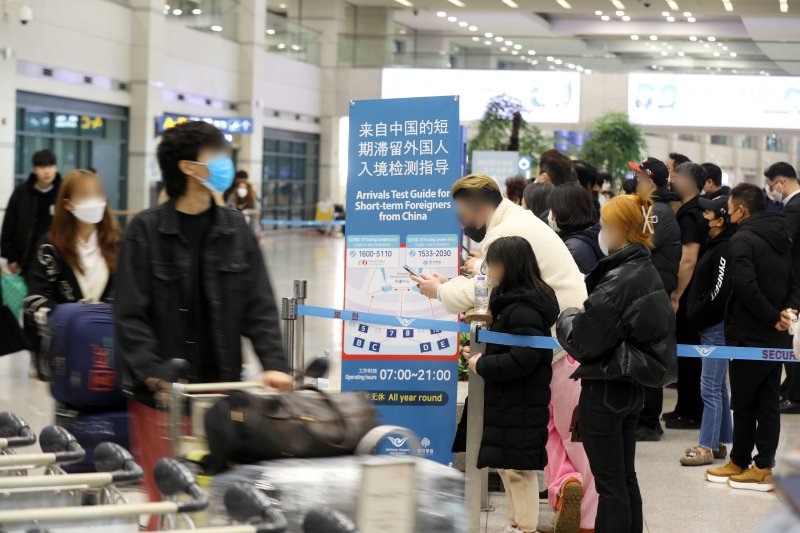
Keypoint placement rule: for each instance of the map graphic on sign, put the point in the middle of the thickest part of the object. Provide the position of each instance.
(378, 283)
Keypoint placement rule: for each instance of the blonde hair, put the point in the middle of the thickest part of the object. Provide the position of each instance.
(633, 215)
(478, 187)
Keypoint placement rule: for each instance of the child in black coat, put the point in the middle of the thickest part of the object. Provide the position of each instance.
(517, 392)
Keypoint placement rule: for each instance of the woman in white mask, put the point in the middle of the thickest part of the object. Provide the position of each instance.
(76, 258)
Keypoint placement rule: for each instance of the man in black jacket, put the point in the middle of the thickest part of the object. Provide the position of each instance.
(713, 187)
(652, 179)
(30, 211)
(191, 281)
(782, 180)
(763, 287)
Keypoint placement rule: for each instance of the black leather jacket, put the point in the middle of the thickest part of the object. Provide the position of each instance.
(626, 328)
(154, 262)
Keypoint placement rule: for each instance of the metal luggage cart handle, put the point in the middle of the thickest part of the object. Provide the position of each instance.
(114, 463)
(172, 478)
(14, 432)
(58, 447)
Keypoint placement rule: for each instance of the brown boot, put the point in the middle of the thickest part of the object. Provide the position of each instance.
(568, 507)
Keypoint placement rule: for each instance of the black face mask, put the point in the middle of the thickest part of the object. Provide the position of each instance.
(476, 234)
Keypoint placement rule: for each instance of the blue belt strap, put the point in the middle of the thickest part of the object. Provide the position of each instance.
(785, 355)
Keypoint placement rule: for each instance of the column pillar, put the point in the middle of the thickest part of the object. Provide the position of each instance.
(252, 25)
(8, 105)
(328, 18)
(147, 102)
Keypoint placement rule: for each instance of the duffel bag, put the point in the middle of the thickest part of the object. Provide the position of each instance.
(246, 428)
(81, 357)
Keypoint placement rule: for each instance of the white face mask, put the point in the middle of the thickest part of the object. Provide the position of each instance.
(552, 222)
(90, 211)
(241, 192)
(601, 241)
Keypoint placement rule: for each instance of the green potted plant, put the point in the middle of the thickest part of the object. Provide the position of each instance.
(612, 142)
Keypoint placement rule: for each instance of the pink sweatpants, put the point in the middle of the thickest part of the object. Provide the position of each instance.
(566, 459)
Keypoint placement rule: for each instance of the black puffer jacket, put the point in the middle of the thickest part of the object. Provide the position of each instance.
(626, 328)
(666, 238)
(584, 245)
(762, 282)
(517, 392)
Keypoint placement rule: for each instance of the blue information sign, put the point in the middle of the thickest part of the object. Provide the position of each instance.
(404, 156)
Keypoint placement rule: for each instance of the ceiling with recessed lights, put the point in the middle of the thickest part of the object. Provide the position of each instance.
(686, 36)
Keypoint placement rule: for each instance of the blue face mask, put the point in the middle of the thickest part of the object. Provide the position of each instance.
(220, 173)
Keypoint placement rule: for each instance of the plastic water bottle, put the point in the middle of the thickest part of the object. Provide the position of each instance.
(481, 295)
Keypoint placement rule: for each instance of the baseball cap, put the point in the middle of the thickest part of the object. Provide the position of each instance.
(718, 205)
(654, 168)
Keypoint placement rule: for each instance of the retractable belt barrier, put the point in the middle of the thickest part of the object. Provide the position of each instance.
(301, 223)
(684, 350)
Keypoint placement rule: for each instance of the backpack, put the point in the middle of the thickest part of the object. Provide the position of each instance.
(81, 357)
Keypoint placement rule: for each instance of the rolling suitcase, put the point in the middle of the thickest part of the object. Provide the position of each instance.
(81, 358)
(90, 430)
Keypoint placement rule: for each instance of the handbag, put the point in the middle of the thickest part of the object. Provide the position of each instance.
(11, 337)
(14, 292)
(307, 423)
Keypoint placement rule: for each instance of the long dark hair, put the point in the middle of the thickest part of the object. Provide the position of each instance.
(572, 206)
(522, 273)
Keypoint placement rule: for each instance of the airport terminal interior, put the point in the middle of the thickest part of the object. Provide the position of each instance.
(303, 90)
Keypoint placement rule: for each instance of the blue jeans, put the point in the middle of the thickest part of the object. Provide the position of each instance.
(717, 424)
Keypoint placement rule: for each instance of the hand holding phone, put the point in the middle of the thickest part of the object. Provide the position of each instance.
(410, 272)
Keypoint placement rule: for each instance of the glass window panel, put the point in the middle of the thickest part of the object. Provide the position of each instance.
(115, 129)
(284, 194)
(298, 168)
(284, 147)
(35, 121)
(20, 119)
(67, 154)
(31, 145)
(299, 148)
(284, 168)
(298, 194)
(84, 154)
(270, 167)
(270, 145)
(19, 157)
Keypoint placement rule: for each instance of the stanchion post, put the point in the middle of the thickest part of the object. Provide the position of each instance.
(289, 318)
(474, 476)
(300, 293)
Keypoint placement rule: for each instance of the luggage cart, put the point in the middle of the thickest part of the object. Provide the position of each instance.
(59, 448)
(14, 433)
(114, 465)
(254, 512)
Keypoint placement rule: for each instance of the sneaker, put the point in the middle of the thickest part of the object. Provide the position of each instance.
(682, 423)
(721, 474)
(697, 456)
(645, 434)
(672, 415)
(568, 507)
(721, 452)
(753, 478)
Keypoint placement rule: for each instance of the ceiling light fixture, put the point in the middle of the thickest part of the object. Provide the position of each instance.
(517, 47)
(784, 5)
(177, 12)
(626, 18)
(620, 13)
(711, 38)
(514, 52)
(673, 5)
(693, 38)
(571, 65)
(665, 13)
(197, 11)
(564, 4)
(716, 54)
(499, 39)
(670, 19)
(531, 52)
(473, 28)
(441, 14)
(587, 71)
(664, 53)
(282, 6)
(404, 3)
(219, 28)
(728, 5)
(706, 45)
(503, 49)
(509, 43)
(511, 3)
(691, 19)
(487, 43)
(687, 14)
(653, 38)
(271, 32)
(488, 35)
(457, 3)
(618, 4)
(558, 61)
(733, 54)
(476, 38)
(681, 53)
(605, 18)
(550, 59)
(451, 18)
(463, 23)
(579, 68)
(598, 13)
(634, 37)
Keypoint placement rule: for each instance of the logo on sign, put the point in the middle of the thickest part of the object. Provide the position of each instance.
(397, 442)
(352, 253)
(412, 253)
(704, 351)
(405, 321)
(425, 442)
